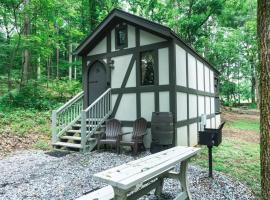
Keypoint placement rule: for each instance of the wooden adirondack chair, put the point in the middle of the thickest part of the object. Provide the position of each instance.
(112, 134)
(139, 130)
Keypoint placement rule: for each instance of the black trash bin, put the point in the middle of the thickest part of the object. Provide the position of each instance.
(162, 131)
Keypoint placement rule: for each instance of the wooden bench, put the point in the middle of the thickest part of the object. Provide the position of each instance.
(137, 178)
(104, 193)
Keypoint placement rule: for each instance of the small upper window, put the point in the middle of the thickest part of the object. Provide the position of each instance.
(121, 36)
(147, 68)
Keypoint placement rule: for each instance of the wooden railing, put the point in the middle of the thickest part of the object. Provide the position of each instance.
(64, 117)
(94, 116)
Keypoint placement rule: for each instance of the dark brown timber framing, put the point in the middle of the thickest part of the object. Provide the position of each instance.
(104, 30)
(116, 16)
(172, 78)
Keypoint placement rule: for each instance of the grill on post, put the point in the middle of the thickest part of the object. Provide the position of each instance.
(161, 131)
(211, 137)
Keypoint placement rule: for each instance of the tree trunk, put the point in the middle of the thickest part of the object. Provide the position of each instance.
(38, 68)
(26, 53)
(57, 62)
(70, 61)
(264, 62)
(253, 83)
(75, 68)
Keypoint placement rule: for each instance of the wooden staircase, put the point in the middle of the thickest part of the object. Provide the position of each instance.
(71, 140)
(75, 129)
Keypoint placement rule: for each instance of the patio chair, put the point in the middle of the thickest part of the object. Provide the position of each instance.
(111, 134)
(139, 130)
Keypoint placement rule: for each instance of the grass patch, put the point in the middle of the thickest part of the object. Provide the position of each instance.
(238, 159)
(245, 124)
(42, 144)
(20, 121)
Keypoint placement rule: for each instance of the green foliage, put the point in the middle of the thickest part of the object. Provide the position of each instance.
(36, 95)
(20, 121)
(244, 124)
(240, 160)
(253, 106)
(42, 144)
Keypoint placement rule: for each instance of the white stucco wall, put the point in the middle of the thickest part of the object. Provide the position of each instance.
(201, 105)
(180, 66)
(212, 105)
(181, 106)
(149, 38)
(217, 120)
(163, 66)
(200, 76)
(182, 137)
(207, 79)
(147, 105)
(193, 134)
(101, 47)
(192, 106)
(207, 105)
(120, 68)
(114, 97)
(192, 80)
(208, 123)
(125, 111)
(164, 101)
(213, 122)
(132, 77)
(212, 81)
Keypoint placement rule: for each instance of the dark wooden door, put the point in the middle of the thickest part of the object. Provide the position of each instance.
(97, 81)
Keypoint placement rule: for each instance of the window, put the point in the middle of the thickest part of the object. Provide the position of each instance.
(147, 68)
(121, 36)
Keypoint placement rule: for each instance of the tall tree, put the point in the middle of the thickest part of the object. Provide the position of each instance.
(26, 53)
(264, 61)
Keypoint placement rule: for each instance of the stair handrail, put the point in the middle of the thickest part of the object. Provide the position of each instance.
(65, 116)
(98, 99)
(96, 113)
(70, 102)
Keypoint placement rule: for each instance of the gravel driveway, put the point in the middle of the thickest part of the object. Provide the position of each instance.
(44, 175)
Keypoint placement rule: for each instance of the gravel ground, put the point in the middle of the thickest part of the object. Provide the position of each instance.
(40, 175)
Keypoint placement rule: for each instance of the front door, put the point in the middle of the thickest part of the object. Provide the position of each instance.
(97, 81)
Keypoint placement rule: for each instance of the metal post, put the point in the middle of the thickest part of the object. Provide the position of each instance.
(54, 126)
(210, 161)
(83, 130)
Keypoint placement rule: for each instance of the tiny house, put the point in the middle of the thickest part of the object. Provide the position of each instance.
(145, 67)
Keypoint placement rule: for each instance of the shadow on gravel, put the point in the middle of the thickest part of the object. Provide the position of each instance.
(57, 154)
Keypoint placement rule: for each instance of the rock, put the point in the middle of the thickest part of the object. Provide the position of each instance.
(40, 175)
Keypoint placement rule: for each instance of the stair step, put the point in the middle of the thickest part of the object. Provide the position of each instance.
(71, 138)
(66, 144)
(92, 119)
(79, 131)
(79, 125)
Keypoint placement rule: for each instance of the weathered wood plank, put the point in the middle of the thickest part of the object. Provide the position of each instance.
(105, 193)
(135, 172)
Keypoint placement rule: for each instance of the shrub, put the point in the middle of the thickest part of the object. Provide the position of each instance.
(38, 96)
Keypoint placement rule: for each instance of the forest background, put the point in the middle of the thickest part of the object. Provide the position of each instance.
(37, 37)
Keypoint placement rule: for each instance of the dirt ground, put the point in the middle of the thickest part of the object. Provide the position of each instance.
(244, 135)
(10, 143)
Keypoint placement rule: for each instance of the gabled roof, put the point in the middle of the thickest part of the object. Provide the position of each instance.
(114, 17)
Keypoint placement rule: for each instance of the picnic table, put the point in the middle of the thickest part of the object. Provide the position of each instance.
(136, 178)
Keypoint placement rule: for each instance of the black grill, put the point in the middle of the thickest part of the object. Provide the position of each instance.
(162, 131)
(211, 137)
